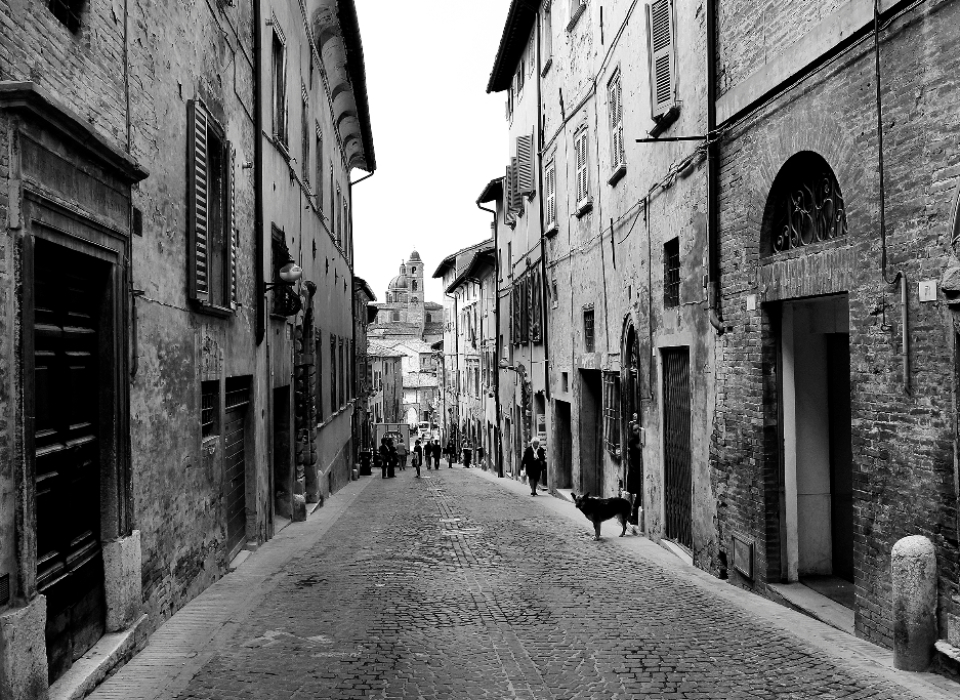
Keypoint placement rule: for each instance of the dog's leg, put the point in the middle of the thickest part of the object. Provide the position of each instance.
(623, 522)
(596, 528)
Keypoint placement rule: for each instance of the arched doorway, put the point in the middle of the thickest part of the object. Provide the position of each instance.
(805, 214)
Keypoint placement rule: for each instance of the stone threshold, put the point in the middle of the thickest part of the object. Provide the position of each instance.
(816, 605)
(113, 650)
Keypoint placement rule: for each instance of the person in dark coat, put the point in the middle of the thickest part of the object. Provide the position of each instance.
(437, 454)
(451, 454)
(467, 454)
(427, 453)
(532, 463)
(384, 454)
(417, 457)
(392, 459)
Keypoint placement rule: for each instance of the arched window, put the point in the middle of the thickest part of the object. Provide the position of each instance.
(805, 206)
(414, 287)
(414, 300)
(413, 270)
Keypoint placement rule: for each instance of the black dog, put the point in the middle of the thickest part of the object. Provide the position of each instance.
(598, 510)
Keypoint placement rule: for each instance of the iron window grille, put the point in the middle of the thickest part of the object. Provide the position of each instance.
(209, 395)
(67, 12)
(671, 273)
(611, 413)
(588, 335)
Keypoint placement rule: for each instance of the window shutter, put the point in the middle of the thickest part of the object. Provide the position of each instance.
(525, 184)
(616, 123)
(233, 229)
(197, 179)
(516, 199)
(508, 216)
(661, 53)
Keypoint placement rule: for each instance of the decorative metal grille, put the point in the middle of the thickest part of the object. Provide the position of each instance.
(671, 273)
(588, 337)
(808, 207)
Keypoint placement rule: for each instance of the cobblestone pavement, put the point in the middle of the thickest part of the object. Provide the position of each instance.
(452, 587)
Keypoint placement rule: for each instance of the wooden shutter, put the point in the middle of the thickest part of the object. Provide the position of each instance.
(508, 216)
(550, 187)
(233, 229)
(516, 199)
(525, 184)
(197, 201)
(663, 81)
(580, 144)
(616, 122)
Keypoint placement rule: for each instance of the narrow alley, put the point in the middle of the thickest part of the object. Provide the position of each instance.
(460, 585)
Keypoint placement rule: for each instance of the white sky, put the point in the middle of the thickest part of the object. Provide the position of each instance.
(439, 137)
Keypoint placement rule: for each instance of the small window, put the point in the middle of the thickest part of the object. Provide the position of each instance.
(305, 135)
(428, 318)
(339, 220)
(520, 76)
(318, 365)
(279, 87)
(611, 413)
(68, 12)
(546, 35)
(209, 408)
(583, 174)
(333, 373)
(671, 273)
(588, 337)
(319, 156)
(394, 315)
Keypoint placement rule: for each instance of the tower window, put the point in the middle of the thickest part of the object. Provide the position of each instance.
(68, 12)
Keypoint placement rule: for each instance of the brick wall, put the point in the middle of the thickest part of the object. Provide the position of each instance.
(902, 442)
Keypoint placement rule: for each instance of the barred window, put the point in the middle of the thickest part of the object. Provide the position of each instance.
(611, 413)
(68, 12)
(319, 373)
(588, 339)
(671, 273)
(209, 398)
(333, 373)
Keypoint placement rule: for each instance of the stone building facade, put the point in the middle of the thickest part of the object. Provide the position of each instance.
(386, 383)
(602, 246)
(137, 248)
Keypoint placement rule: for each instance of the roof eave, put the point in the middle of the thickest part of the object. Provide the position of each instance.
(520, 20)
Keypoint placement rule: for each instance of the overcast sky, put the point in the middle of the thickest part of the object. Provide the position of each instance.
(439, 137)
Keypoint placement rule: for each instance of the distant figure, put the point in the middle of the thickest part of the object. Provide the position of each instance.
(437, 454)
(467, 454)
(427, 452)
(480, 455)
(451, 454)
(417, 457)
(392, 459)
(402, 452)
(384, 454)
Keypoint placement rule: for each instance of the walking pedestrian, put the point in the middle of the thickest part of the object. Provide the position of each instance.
(417, 457)
(402, 454)
(480, 456)
(383, 453)
(391, 459)
(427, 453)
(531, 463)
(451, 454)
(467, 454)
(437, 454)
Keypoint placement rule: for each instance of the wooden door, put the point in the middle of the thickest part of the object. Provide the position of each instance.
(677, 457)
(68, 292)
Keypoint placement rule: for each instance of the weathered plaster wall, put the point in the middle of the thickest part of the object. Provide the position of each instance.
(902, 442)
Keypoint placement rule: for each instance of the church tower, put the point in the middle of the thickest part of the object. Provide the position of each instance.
(414, 269)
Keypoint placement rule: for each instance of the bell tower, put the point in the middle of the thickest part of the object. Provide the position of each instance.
(414, 266)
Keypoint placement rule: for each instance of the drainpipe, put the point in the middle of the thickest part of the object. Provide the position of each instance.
(496, 332)
(713, 176)
(258, 174)
(899, 276)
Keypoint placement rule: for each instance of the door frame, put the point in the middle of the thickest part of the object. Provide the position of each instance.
(47, 220)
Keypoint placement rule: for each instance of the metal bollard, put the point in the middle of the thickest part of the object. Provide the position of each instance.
(913, 563)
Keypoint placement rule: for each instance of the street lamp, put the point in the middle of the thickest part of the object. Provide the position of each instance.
(289, 275)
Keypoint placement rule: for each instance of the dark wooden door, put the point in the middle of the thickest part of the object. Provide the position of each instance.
(235, 477)
(68, 293)
(676, 433)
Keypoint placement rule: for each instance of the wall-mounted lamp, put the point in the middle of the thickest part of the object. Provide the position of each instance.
(289, 274)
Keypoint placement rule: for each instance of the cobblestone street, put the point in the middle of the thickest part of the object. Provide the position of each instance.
(457, 586)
